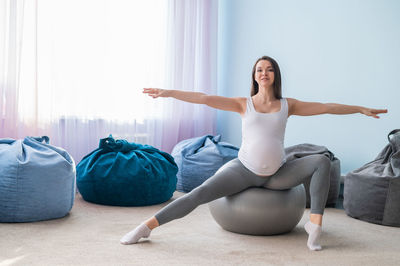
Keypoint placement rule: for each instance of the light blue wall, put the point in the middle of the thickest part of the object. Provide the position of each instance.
(342, 51)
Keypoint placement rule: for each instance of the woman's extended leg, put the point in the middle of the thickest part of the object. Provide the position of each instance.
(293, 173)
(231, 178)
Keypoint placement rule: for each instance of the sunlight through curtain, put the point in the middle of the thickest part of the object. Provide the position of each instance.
(74, 70)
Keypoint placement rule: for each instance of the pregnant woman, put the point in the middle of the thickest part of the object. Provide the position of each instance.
(261, 158)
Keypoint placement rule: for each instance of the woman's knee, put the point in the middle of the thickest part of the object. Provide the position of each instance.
(322, 162)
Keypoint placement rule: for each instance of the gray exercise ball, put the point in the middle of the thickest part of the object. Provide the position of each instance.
(260, 211)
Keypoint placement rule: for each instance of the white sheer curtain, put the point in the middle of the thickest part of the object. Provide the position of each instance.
(191, 65)
(74, 70)
(13, 26)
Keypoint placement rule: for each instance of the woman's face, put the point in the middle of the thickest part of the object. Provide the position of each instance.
(264, 74)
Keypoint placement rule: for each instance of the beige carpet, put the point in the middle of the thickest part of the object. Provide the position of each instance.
(90, 236)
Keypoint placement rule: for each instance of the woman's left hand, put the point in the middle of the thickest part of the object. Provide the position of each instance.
(372, 112)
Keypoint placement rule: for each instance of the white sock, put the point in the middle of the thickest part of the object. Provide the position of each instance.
(133, 236)
(314, 232)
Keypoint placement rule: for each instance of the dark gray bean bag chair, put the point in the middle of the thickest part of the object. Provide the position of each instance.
(301, 150)
(372, 192)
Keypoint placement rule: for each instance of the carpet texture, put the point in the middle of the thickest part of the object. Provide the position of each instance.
(90, 235)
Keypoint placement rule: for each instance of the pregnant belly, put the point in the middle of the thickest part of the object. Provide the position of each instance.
(263, 158)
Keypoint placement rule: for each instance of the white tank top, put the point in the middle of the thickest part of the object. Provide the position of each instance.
(262, 150)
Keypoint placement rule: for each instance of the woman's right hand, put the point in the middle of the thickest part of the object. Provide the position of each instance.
(155, 93)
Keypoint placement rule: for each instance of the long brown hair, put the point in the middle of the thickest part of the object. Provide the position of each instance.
(277, 86)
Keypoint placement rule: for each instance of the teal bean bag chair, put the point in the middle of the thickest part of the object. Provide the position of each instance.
(120, 173)
(37, 180)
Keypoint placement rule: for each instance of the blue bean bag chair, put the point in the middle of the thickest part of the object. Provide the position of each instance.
(37, 180)
(199, 158)
(120, 173)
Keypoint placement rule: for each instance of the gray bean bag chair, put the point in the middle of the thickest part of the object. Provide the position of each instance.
(372, 192)
(301, 150)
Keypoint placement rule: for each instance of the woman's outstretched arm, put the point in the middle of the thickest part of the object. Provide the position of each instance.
(297, 107)
(223, 103)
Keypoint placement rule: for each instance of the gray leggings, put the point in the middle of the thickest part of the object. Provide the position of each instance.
(233, 177)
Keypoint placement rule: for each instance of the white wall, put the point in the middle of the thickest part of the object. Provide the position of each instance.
(342, 51)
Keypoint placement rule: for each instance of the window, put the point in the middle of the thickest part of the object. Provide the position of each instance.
(93, 59)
